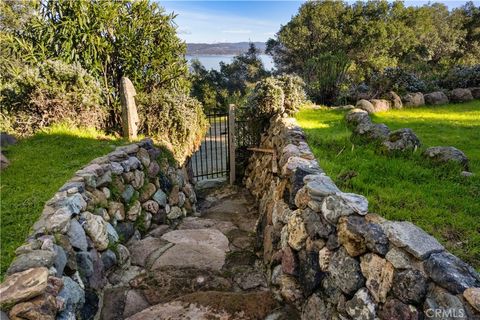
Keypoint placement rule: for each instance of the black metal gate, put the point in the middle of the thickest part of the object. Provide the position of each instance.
(212, 160)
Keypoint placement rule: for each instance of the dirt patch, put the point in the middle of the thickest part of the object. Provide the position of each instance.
(255, 305)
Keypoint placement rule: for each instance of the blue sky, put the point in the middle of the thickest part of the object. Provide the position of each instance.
(235, 21)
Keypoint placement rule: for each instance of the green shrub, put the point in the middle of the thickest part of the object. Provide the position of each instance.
(398, 80)
(461, 77)
(174, 118)
(293, 91)
(267, 98)
(33, 97)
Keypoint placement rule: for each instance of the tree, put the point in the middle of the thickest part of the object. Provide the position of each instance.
(216, 89)
(374, 36)
(110, 39)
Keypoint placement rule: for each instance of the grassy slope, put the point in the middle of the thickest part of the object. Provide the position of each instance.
(407, 187)
(39, 167)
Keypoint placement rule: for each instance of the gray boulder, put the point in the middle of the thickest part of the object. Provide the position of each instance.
(4, 162)
(440, 299)
(370, 132)
(345, 272)
(415, 99)
(446, 154)
(475, 92)
(414, 240)
(365, 105)
(7, 139)
(461, 95)
(451, 273)
(436, 98)
(410, 286)
(395, 100)
(73, 298)
(401, 140)
(356, 116)
(380, 105)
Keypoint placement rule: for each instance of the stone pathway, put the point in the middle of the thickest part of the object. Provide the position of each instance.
(205, 268)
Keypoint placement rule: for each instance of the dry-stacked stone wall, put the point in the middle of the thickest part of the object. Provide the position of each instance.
(78, 242)
(332, 259)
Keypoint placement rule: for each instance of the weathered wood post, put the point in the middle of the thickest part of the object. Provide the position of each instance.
(130, 118)
(231, 141)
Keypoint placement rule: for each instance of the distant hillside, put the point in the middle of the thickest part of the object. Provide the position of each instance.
(221, 48)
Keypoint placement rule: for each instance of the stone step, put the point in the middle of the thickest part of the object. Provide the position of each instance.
(213, 305)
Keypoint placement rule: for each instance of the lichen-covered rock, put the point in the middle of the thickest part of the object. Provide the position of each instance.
(355, 117)
(134, 211)
(281, 213)
(151, 206)
(343, 204)
(96, 228)
(297, 233)
(440, 304)
(365, 105)
(414, 99)
(371, 132)
(42, 307)
(461, 95)
(349, 234)
(147, 192)
(116, 210)
(410, 286)
(23, 285)
(379, 275)
(401, 140)
(411, 238)
(138, 179)
(316, 308)
(472, 295)
(324, 256)
(315, 224)
(175, 213)
(309, 271)
(395, 100)
(144, 157)
(72, 297)
(446, 154)
(475, 92)
(76, 235)
(33, 259)
(380, 105)
(345, 272)
(436, 98)
(451, 273)
(290, 289)
(361, 306)
(320, 186)
(400, 258)
(395, 309)
(160, 197)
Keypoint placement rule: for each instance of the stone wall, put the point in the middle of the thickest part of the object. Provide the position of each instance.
(78, 242)
(392, 100)
(332, 259)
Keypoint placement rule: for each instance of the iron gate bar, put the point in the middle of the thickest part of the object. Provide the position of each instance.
(210, 165)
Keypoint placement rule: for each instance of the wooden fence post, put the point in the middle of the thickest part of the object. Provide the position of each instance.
(231, 141)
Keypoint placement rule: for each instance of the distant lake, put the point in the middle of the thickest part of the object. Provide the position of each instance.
(213, 61)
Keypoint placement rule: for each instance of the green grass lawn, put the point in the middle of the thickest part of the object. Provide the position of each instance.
(40, 165)
(404, 187)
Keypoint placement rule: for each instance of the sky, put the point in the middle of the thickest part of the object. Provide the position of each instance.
(237, 21)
